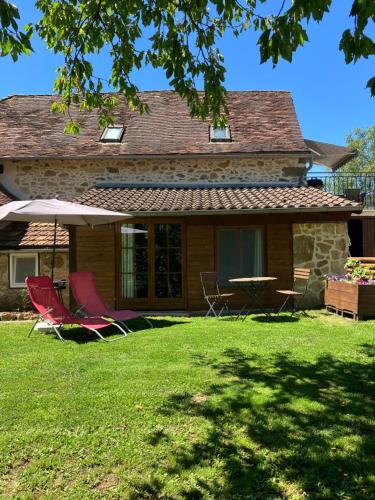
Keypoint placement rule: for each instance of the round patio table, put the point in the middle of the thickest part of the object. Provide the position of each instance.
(254, 284)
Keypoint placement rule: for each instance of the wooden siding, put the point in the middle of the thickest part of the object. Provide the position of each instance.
(95, 251)
(200, 244)
(279, 258)
(368, 231)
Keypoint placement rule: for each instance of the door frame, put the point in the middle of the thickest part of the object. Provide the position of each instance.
(152, 302)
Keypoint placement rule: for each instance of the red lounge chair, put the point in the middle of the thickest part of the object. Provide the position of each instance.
(54, 313)
(88, 298)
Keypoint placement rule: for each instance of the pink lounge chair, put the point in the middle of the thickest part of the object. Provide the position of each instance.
(54, 313)
(89, 299)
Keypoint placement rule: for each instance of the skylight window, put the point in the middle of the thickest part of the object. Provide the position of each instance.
(113, 133)
(219, 134)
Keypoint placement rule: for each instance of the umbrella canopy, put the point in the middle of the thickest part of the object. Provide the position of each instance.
(57, 211)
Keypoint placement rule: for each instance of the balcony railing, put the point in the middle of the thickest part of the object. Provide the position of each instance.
(356, 187)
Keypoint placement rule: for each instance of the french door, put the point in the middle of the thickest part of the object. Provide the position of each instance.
(151, 265)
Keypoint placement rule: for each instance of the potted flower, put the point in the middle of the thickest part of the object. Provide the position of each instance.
(354, 292)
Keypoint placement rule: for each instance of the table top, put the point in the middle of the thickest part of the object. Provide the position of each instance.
(254, 279)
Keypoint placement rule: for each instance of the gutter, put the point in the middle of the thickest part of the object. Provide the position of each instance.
(260, 211)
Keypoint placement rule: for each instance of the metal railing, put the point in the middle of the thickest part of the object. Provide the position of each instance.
(356, 187)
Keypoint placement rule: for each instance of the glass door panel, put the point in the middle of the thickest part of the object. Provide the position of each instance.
(150, 265)
(168, 262)
(134, 262)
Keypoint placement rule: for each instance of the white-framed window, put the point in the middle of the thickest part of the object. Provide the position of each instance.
(22, 265)
(219, 134)
(113, 133)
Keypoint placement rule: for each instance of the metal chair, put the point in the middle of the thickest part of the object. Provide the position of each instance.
(213, 296)
(300, 275)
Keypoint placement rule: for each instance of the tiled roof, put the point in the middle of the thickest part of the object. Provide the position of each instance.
(330, 155)
(5, 197)
(187, 199)
(31, 235)
(28, 235)
(260, 122)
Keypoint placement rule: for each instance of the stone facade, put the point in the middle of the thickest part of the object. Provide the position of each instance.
(322, 247)
(16, 298)
(69, 178)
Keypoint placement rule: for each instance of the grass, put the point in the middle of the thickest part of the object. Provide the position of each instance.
(191, 409)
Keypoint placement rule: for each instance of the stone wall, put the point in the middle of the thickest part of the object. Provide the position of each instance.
(69, 178)
(16, 298)
(322, 247)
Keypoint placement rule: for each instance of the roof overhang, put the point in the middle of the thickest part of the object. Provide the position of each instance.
(268, 211)
(328, 155)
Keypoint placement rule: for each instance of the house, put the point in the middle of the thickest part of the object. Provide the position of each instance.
(231, 199)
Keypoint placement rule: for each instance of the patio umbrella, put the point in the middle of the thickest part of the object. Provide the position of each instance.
(59, 212)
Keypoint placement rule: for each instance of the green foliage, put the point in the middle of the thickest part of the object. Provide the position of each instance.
(363, 140)
(13, 42)
(351, 263)
(358, 271)
(181, 38)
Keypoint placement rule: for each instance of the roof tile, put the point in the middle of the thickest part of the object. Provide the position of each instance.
(172, 199)
(260, 122)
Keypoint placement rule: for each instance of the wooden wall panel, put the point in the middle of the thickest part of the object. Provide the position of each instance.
(368, 231)
(200, 253)
(279, 258)
(95, 251)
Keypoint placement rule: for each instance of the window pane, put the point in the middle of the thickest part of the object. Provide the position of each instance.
(23, 267)
(168, 280)
(175, 285)
(240, 254)
(112, 133)
(161, 260)
(134, 258)
(220, 133)
(161, 285)
(228, 256)
(161, 235)
(175, 259)
(174, 235)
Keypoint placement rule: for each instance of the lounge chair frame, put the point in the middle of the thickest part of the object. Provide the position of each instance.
(101, 309)
(63, 316)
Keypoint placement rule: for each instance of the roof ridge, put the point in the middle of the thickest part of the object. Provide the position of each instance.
(164, 91)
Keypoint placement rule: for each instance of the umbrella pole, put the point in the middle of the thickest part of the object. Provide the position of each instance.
(54, 250)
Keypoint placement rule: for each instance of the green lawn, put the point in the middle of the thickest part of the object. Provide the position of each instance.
(191, 409)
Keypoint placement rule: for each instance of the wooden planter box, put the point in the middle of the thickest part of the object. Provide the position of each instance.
(350, 298)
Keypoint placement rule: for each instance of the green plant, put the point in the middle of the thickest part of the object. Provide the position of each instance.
(351, 263)
(362, 273)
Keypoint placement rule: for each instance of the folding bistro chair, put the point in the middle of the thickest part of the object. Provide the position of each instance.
(88, 298)
(53, 313)
(213, 296)
(297, 293)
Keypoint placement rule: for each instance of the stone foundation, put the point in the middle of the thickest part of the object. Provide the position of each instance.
(12, 299)
(69, 178)
(322, 247)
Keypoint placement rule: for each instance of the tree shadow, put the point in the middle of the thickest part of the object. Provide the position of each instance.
(276, 318)
(279, 427)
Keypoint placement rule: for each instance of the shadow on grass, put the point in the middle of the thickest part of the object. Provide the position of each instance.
(278, 427)
(83, 336)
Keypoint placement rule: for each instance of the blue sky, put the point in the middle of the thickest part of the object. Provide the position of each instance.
(330, 96)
